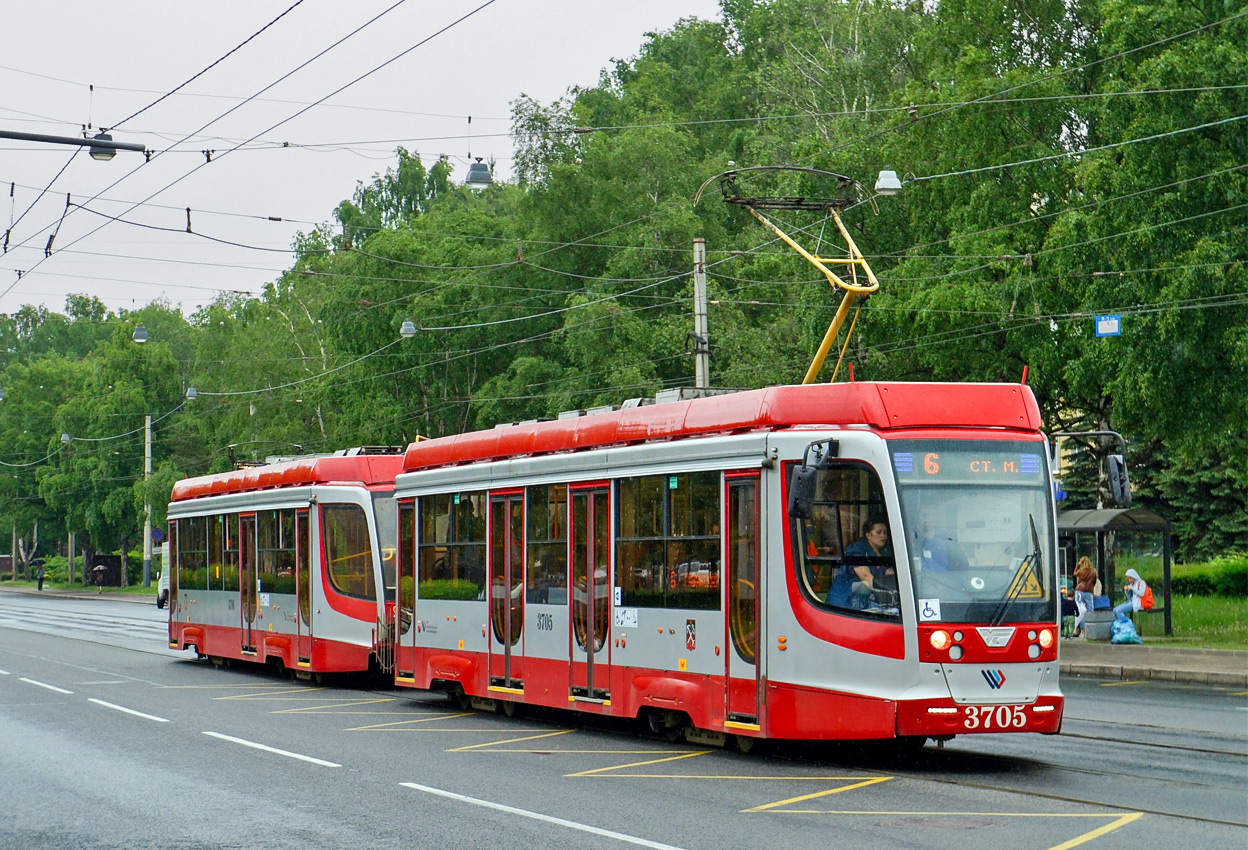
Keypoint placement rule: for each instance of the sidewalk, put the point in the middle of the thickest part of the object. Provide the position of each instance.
(85, 593)
(1104, 660)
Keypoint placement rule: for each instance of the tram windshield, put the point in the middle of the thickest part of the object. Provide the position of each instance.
(978, 529)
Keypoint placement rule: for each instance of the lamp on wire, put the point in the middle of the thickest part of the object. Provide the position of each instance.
(191, 393)
(407, 331)
(888, 183)
(479, 176)
(140, 334)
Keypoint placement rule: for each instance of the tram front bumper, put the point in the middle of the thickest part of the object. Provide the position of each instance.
(942, 718)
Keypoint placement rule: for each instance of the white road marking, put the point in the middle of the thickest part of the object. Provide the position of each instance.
(43, 685)
(128, 710)
(4, 673)
(618, 836)
(286, 753)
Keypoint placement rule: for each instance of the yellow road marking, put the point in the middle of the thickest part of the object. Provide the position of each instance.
(509, 741)
(284, 693)
(599, 770)
(1120, 684)
(430, 719)
(863, 784)
(1099, 831)
(1240, 694)
(325, 709)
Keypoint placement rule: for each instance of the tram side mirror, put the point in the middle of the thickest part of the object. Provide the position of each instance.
(1119, 482)
(802, 492)
(802, 489)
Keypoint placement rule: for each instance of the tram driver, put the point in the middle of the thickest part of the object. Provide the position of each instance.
(867, 566)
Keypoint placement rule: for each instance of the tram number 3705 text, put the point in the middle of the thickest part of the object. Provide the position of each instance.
(545, 623)
(994, 717)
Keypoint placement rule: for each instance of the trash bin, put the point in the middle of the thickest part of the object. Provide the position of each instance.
(1098, 625)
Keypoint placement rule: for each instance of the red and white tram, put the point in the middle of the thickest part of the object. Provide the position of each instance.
(290, 563)
(699, 563)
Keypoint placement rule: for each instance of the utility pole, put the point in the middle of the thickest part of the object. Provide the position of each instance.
(147, 507)
(701, 340)
(70, 575)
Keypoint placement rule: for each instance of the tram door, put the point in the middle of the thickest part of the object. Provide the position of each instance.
(506, 579)
(743, 599)
(303, 587)
(405, 616)
(590, 597)
(248, 602)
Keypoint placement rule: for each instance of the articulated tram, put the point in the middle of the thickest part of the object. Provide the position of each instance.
(289, 563)
(859, 560)
(704, 563)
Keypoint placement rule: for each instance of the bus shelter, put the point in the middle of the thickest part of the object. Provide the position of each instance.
(1116, 540)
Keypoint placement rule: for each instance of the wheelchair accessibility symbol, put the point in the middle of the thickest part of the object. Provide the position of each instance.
(929, 609)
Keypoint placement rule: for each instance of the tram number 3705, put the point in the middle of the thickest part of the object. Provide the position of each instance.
(994, 717)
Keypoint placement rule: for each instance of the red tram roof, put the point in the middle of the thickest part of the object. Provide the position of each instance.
(881, 405)
(363, 469)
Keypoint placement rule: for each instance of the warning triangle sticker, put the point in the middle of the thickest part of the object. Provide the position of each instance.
(1025, 584)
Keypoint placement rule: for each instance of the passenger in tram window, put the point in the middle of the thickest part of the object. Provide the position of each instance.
(868, 566)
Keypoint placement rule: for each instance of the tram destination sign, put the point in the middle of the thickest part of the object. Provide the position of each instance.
(947, 462)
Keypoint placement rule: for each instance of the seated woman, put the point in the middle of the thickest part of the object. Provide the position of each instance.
(865, 564)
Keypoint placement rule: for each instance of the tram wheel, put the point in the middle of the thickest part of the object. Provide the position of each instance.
(746, 744)
(509, 708)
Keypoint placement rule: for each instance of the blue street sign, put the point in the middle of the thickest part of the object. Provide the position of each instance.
(1108, 325)
(158, 535)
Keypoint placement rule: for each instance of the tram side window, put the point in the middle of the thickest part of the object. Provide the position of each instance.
(276, 551)
(668, 547)
(216, 555)
(547, 534)
(229, 574)
(192, 553)
(451, 544)
(348, 550)
(836, 565)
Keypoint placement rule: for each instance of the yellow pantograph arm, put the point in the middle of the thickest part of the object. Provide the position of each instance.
(851, 290)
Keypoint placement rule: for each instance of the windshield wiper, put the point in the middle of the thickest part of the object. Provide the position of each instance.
(1032, 562)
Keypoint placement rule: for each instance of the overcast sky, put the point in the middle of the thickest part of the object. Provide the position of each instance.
(132, 52)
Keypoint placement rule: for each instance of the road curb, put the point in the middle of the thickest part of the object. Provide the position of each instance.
(1130, 673)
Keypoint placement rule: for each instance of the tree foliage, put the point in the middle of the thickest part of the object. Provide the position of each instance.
(1064, 159)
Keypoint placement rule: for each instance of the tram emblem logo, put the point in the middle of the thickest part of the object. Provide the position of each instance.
(994, 678)
(691, 635)
(996, 637)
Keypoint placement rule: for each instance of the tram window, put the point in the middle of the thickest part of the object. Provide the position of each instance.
(284, 581)
(548, 544)
(266, 549)
(386, 515)
(836, 567)
(667, 552)
(276, 550)
(451, 546)
(216, 555)
(192, 553)
(229, 573)
(348, 550)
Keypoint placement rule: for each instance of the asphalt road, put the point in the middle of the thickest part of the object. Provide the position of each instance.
(110, 740)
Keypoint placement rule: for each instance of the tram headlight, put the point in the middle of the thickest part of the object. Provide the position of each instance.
(955, 653)
(1033, 651)
(1046, 638)
(940, 640)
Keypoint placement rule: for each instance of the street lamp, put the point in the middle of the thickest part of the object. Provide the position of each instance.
(888, 183)
(140, 334)
(479, 176)
(101, 145)
(407, 332)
